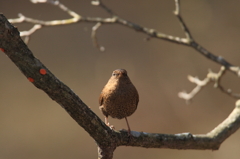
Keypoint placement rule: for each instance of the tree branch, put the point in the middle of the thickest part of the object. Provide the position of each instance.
(94, 37)
(211, 140)
(27, 34)
(211, 77)
(107, 140)
(76, 18)
(13, 46)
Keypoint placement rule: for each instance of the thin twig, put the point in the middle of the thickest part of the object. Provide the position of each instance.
(211, 77)
(22, 18)
(32, 30)
(102, 5)
(94, 37)
(200, 84)
(188, 41)
(27, 34)
(183, 25)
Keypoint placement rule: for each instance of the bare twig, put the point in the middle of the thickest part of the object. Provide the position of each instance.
(22, 18)
(197, 89)
(211, 77)
(94, 37)
(27, 34)
(188, 41)
(192, 43)
(189, 37)
(32, 30)
(99, 3)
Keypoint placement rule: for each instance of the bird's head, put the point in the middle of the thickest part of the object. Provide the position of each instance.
(119, 74)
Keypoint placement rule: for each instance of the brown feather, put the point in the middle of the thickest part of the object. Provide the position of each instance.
(119, 98)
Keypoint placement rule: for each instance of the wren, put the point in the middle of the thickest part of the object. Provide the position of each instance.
(119, 98)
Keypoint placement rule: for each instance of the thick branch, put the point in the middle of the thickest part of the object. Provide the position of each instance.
(211, 140)
(106, 152)
(42, 78)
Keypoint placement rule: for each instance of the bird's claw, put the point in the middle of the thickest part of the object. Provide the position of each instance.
(110, 126)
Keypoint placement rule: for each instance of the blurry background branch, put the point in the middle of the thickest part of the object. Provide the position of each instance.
(188, 40)
(27, 34)
(76, 18)
(211, 77)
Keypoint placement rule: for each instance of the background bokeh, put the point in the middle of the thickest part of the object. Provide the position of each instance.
(32, 126)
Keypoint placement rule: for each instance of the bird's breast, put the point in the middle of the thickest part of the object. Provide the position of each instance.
(120, 101)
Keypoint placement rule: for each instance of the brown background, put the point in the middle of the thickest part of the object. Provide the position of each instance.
(32, 126)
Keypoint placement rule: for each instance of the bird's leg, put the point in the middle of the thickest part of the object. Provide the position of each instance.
(129, 130)
(106, 121)
(108, 124)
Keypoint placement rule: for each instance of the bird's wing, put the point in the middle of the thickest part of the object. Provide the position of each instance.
(101, 99)
(137, 99)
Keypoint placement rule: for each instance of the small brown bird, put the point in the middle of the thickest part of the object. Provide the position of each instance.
(119, 98)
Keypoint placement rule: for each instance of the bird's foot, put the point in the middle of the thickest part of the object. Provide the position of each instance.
(110, 126)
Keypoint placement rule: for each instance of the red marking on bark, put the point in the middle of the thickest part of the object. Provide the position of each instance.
(2, 49)
(43, 71)
(30, 79)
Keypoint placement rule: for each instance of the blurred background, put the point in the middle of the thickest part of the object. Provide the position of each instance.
(32, 126)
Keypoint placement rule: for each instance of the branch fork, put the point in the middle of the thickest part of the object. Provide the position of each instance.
(108, 140)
